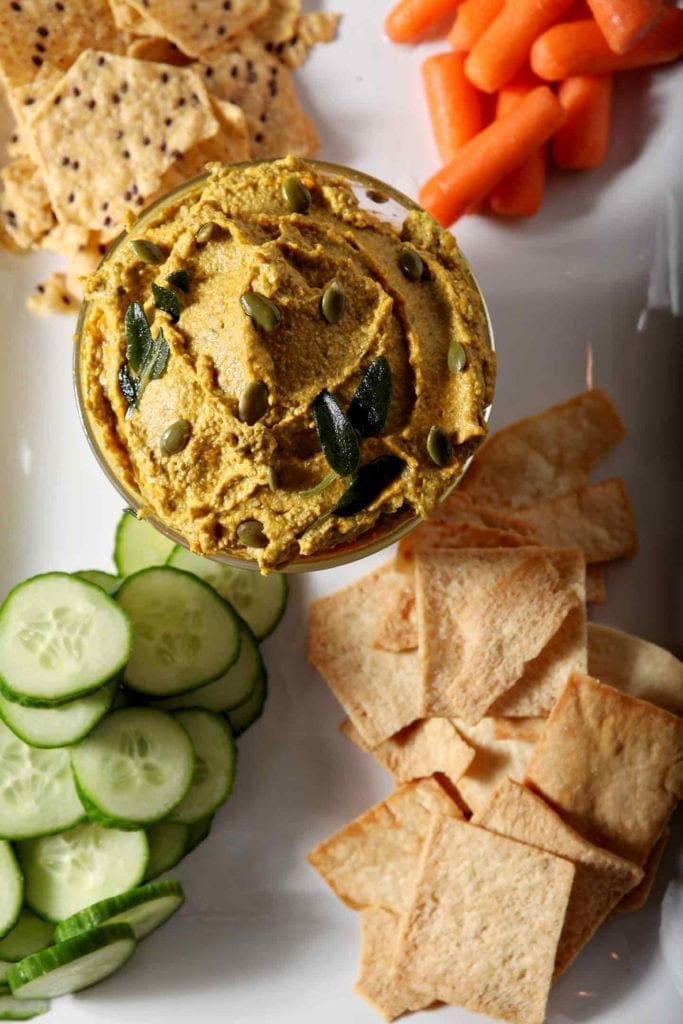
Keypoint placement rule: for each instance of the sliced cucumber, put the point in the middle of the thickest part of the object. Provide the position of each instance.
(22, 1009)
(228, 690)
(11, 891)
(133, 768)
(198, 832)
(185, 635)
(105, 580)
(168, 843)
(37, 791)
(60, 638)
(144, 909)
(73, 965)
(250, 711)
(60, 726)
(4, 971)
(68, 872)
(215, 765)
(138, 545)
(260, 600)
(29, 935)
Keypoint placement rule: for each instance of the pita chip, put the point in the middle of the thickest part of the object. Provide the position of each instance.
(496, 757)
(377, 983)
(430, 747)
(528, 729)
(635, 666)
(596, 584)
(640, 894)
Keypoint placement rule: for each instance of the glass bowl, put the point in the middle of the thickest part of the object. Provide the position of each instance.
(387, 203)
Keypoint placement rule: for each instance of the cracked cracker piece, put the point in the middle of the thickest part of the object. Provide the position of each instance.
(202, 25)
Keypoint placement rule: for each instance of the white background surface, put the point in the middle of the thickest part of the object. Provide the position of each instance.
(260, 938)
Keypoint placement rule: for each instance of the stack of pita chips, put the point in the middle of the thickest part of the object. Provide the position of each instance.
(533, 798)
(117, 102)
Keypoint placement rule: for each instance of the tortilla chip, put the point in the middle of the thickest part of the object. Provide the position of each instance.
(433, 746)
(544, 455)
(202, 25)
(377, 983)
(635, 666)
(495, 759)
(162, 51)
(611, 765)
(528, 729)
(372, 861)
(126, 105)
(52, 296)
(484, 924)
(380, 691)
(596, 584)
(482, 616)
(600, 881)
(638, 896)
(597, 518)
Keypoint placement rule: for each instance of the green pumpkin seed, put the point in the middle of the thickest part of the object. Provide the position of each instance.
(338, 439)
(180, 279)
(439, 447)
(411, 264)
(167, 301)
(175, 437)
(457, 357)
(253, 402)
(295, 194)
(250, 533)
(273, 481)
(369, 406)
(333, 302)
(373, 478)
(319, 487)
(147, 251)
(261, 310)
(204, 233)
(375, 196)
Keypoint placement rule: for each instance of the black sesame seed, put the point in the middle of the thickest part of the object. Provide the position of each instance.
(14, 138)
(65, 161)
(234, 71)
(38, 61)
(101, 248)
(181, 101)
(258, 137)
(40, 48)
(140, 201)
(146, 140)
(118, 134)
(126, 154)
(107, 221)
(29, 100)
(165, 77)
(176, 154)
(57, 100)
(168, 121)
(75, 164)
(66, 299)
(115, 98)
(41, 289)
(128, 195)
(220, 31)
(208, 72)
(71, 198)
(227, 5)
(162, 147)
(124, 87)
(42, 31)
(59, 6)
(15, 6)
(101, 61)
(263, 118)
(76, 91)
(270, 46)
(91, 104)
(105, 206)
(134, 189)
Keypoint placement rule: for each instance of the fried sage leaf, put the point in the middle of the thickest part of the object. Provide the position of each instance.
(138, 336)
(180, 279)
(370, 405)
(373, 478)
(338, 439)
(155, 365)
(167, 301)
(128, 385)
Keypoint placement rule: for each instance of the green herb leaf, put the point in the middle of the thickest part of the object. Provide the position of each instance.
(338, 439)
(180, 279)
(370, 405)
(167, 301)
(129, 386)
(373, 478)
(138, 336)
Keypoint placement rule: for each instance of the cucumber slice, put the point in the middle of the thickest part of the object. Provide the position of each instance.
(228, 690)
(29, 935)
(73, 965)
(11, 891)
(138, 545)
(185, 635)
(105, 580)
(68, 872)
(243, 716)
(215, 765)
(133, 768)
(144, 909)
(168, 843)
(60, 638)
(198, 832)
(22, 1009)
(37, 791)
(260, 600)
(60, 726)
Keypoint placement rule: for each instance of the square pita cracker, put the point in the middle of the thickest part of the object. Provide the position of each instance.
(611, 765)
(397, 626)
(229, 145)
(433, 746)
(201, 25)
(640, 894)
(26, 210)
(484, 924)
(635, 666)
(544, 455)
(528, 729)
(377, 983)
(596, 584)
(601, 879)
(496, 757)
(597, 518)
(380, 691)
(372, 861)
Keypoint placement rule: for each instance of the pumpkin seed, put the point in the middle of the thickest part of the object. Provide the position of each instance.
(175, 437)
(253, 402)
(180, 279)
(273, 481)
(375, 196)
(147, 251)
(338, 439)
(439, 447)
(295, 194)
(369, 406)
(261, 310)
(138, 336)
(251, 534)
(318, 488)
(411, 264)
(167, 301)
(333, 302)
(373, 478)
(204, 233)
(457, 357)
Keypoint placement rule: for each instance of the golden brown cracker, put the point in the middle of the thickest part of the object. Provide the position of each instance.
(635, 666)
(496, 758)
(377, 983)
(201, 25)
(432, 746)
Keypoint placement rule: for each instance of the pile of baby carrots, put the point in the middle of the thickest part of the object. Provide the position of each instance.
(525, 79)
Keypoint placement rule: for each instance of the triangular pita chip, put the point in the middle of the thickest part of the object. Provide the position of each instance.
(635, 666)
(496, 758)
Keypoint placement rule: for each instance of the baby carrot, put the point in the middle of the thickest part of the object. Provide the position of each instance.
(471, 21)
(582, 141)
(489, 156)
(455, 106)
(505, 45)
(623, 23)
(520, 193)
(410, 19)
(579, 48)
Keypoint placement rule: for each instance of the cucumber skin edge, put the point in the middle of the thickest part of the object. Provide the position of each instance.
(19, 874)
